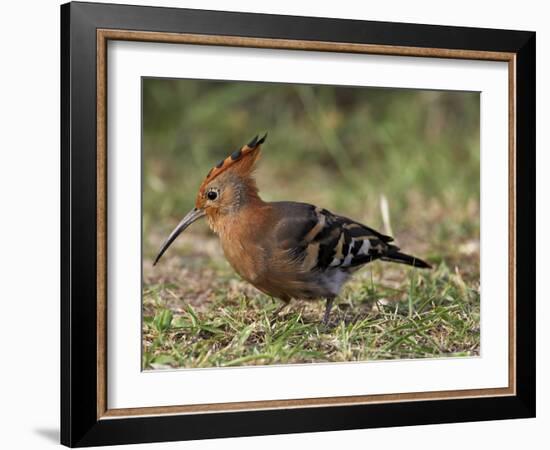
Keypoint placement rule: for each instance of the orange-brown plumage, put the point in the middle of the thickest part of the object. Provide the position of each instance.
(285, 249)
(240, 163)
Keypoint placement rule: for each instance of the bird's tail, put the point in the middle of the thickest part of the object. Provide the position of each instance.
(403, 258)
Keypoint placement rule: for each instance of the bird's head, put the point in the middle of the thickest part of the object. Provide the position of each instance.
(228, 186)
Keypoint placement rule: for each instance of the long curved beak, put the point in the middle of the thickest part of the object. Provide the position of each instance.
(190, 217)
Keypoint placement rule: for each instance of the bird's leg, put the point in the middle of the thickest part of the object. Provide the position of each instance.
(330, 301)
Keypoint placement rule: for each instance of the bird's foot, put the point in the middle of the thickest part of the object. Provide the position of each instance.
(328, 307)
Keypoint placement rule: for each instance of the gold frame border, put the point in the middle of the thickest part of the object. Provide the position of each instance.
(103, 36)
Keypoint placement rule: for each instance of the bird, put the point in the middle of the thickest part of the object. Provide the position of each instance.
(287, 250)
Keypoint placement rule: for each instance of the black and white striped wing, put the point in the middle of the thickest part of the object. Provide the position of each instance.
(322, 240)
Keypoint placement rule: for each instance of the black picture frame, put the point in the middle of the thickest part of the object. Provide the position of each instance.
(80, 425)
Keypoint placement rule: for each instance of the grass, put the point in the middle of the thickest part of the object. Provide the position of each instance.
(425, 315)
(344, 149)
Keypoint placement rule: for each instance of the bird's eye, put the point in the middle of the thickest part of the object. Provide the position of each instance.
(212, 195)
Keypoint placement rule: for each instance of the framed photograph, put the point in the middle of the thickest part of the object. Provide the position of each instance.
(276, 224)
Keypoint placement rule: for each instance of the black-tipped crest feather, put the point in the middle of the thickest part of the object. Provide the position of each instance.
(255, 142)
(252, 143)
(262, 140)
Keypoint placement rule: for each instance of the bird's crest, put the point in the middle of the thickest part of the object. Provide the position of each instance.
(241, 161)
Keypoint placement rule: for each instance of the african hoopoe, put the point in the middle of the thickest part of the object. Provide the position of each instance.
(287, 250)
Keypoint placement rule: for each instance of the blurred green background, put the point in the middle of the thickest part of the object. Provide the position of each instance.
(339, 147)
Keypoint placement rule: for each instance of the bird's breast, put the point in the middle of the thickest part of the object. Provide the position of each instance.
(244, 256)
(243, 246)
